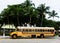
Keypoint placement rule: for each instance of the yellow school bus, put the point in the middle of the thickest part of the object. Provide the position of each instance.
(33, 32)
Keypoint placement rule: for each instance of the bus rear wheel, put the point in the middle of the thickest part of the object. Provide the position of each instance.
(14, 36)
(42, 36)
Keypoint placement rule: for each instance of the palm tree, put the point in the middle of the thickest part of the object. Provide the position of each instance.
(53, 14)
(15, 10)
(5, 15)
(29, 7)
(17, 13)
(42, 9)
(1, 20)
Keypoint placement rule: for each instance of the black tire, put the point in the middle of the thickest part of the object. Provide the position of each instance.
(42, 36)
(14, 36)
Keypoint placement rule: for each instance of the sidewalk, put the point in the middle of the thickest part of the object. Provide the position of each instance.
(4, 37)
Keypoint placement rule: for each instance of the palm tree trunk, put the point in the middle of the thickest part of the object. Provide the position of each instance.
(30, 19)
(53, 18)
(42, 21)
(53, 22)
(8, 20)
(18, 19)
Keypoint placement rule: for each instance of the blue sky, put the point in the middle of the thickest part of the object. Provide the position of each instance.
(54, 5)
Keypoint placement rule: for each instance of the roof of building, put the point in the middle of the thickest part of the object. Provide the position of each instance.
(8, 26)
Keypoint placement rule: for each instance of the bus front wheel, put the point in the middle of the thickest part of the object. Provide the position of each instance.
(14, 36)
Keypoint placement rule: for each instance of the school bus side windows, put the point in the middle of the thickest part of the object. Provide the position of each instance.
(30, 30)
(19, 29)
(38, 30)
(50, 30)
(35, 30)
(23, 29)
(26, 30)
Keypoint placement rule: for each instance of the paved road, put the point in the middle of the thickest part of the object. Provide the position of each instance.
(7, 39)
(30, 41)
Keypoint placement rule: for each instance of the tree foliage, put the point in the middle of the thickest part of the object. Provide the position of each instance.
(27, 13)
